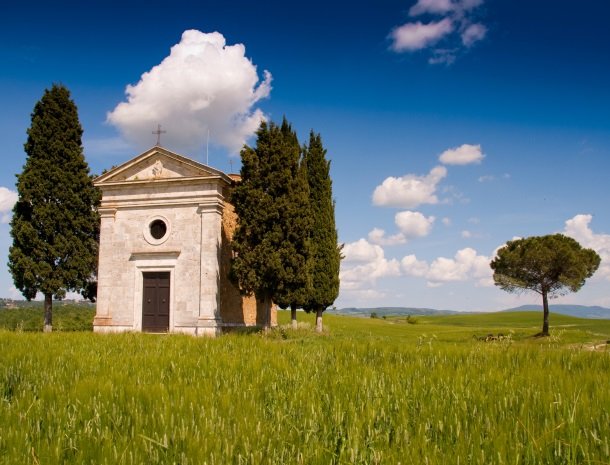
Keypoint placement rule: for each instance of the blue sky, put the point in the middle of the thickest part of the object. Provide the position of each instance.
(452, 125)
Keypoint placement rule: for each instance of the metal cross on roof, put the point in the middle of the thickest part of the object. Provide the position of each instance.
(158, 132)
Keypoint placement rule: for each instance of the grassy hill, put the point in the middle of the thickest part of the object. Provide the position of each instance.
(367, 391)
(580, 311)
(389, 311)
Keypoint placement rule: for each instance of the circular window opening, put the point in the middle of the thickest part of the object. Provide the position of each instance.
(158, 229)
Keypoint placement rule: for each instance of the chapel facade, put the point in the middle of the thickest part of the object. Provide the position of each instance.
(165, 249)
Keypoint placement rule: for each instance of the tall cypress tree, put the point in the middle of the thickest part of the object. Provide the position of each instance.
(298, 225)
(55, 224)
(325, 251)
(270, 249)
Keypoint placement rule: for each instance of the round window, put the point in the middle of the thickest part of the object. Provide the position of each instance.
(158, 229)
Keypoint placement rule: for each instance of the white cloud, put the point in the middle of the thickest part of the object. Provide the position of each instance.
(443, 6)
(465, 265)
(413, 224)
(466, 234)
(431, 6)
(409, 191)
(446, 221)
(416, 36)
(414, 267)
(202, 85)
(361, 251)
(578, 228)
(377, 236)
(455, 28)
(473, 34)
(7, 201)
(465, 154)
(363, 264)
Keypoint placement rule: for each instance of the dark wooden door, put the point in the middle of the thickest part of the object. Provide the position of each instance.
(155, 304)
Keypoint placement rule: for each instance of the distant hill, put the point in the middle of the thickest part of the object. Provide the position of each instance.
(580, 311)
(391, 311)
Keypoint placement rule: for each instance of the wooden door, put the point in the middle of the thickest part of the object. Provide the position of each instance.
(155, 303)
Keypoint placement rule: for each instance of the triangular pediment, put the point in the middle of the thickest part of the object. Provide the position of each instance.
(159, 164)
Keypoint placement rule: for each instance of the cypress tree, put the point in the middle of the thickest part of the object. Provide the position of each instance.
(297, 227)
(325, 251)
(55, 224)
(271, 239)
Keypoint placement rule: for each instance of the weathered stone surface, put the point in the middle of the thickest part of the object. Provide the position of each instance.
(189, 199)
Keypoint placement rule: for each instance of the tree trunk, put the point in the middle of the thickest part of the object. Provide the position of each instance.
(545, 307)
(293, 316)
(319, 319)
(48, 313)
(267, 307)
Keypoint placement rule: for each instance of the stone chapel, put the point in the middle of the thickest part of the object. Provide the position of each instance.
(165, 252)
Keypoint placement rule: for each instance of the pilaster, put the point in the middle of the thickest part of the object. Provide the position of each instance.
(208, 321)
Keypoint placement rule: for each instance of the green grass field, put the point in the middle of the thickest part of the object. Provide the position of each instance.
(367, 391)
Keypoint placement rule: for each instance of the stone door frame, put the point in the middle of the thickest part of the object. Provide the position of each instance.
(153, 262)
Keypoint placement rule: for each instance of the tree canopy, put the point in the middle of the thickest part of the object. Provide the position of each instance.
(551, 266)
(325, 251)
(285, 245)
(55, 224)
(298, 223)
(270, 251)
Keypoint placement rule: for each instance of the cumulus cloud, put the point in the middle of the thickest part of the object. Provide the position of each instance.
(7, 201)
(409, 191)
(414, 267)
(203, 85)
(378, 236)
(465, 265)
(413, 224)
(415, 36)
(578, 228)
(455, 29)
(364, 263)
(465, 154)
(431, 6)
